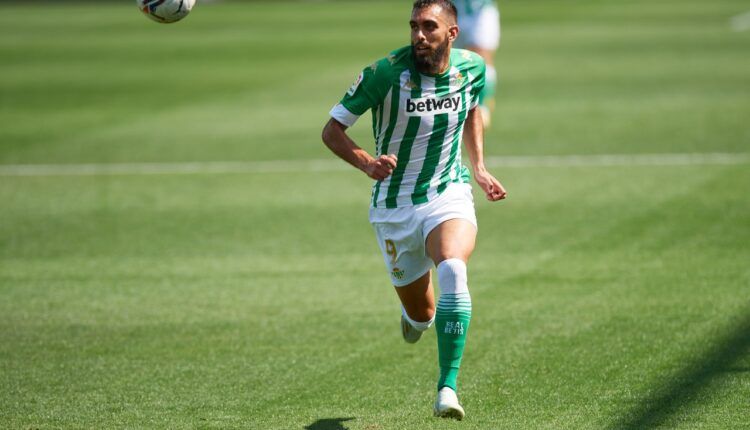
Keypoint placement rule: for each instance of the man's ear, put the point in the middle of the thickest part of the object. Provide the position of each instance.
(453, 33)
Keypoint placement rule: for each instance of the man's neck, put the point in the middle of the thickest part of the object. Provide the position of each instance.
(438, 69)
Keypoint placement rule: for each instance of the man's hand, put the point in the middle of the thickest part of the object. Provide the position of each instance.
(474, 143)
(335, 137)
(492, 188)
(381, 167)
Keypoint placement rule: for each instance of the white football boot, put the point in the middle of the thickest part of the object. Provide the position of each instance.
(447, 406)
(410, 334)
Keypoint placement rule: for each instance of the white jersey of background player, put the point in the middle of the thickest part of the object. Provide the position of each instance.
(479, 21)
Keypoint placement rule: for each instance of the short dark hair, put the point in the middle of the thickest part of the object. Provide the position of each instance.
(447, 5)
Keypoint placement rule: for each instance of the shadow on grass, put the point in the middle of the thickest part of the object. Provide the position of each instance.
(684, 387)
(329, 424)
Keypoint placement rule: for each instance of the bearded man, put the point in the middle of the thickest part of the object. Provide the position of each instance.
(423, 99)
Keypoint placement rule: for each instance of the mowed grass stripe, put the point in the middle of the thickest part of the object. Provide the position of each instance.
(224, 167)
(621, 270)
(236, 347)
(607, 292)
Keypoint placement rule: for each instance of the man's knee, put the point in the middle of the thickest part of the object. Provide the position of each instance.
(452, 276)
(417, 300)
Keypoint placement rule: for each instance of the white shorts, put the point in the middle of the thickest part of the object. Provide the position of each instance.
(481, 29)
(402, 232)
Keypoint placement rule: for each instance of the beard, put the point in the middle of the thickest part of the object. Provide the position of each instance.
(428, 63)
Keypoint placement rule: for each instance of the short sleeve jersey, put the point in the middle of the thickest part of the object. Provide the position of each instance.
(417, 117)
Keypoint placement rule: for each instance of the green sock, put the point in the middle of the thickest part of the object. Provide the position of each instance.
(452, 318)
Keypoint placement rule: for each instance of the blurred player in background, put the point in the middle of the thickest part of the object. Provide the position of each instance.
(479, 21)
(423, 99)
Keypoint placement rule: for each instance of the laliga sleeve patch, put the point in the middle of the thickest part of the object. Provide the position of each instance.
(355, 85)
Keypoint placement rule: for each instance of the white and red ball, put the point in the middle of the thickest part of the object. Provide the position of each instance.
(165, 11)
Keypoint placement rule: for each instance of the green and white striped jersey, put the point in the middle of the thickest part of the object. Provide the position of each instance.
(470, 7)
(418, 117)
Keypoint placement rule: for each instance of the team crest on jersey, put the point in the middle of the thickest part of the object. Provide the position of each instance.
(458, 79)
(410, 85)
(398, 273)
(355, 85)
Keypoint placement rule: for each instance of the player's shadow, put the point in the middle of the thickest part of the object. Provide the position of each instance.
(329, 424)
(685, 387)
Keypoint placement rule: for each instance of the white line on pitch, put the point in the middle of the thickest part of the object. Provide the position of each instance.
(171, 168)
(619, 160)
(740, 22)
(329, 165)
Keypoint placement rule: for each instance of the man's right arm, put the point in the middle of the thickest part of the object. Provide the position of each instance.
(336, 139)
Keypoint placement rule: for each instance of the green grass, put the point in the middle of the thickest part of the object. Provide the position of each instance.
(604, 297)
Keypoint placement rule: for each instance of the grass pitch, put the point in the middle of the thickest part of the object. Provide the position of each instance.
(613, 297)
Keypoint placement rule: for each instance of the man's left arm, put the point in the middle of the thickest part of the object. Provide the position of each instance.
(474, 143)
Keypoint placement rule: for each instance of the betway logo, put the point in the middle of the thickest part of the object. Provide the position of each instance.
(428, 106)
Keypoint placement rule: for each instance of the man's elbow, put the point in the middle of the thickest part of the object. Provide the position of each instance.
(329, 131)
(326, 134)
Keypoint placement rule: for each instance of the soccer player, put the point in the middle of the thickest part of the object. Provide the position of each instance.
(423, 99)
(479, 21)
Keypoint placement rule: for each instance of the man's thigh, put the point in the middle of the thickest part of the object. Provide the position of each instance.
(403, 246)
(454, 238)
(450, 228)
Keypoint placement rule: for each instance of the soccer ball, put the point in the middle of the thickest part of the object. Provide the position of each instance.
(165, 11)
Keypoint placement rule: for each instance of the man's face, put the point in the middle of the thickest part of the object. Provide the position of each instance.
(432, 34)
